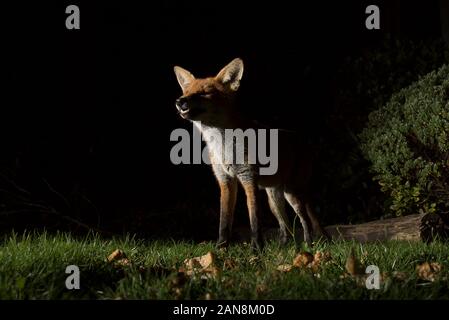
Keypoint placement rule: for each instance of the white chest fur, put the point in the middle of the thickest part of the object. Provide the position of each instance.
(217, 146)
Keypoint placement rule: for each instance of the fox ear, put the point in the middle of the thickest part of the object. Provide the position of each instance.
(184, 77)
(231, 74)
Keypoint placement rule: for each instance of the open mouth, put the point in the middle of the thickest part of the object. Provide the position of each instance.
(188, 113)
(183, 113)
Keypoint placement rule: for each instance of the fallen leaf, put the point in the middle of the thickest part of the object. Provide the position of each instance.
(428, 271)
(322, 257)
(116, 255)
(210, 272)
(204, 265)
(315, 266)
(285, 268)
(254, 260)
(124, 262)
(207, 260)
(200, 262)
(190, 265)
(352, 265)
(318, 259)
(303, 259)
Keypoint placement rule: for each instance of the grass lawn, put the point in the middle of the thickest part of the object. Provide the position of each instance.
(33, 267)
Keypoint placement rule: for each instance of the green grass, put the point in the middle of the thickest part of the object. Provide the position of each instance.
(33, 267)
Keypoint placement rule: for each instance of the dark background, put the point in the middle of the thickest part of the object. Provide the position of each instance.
(86, 114)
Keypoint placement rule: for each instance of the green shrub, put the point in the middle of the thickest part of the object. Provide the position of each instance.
(407, 142)
(363, 83)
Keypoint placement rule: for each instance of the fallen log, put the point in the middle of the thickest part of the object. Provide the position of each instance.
(415, 227)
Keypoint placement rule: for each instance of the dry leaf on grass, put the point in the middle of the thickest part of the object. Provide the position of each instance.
(204, 265)
(307, 260)
(207, 260)
(352, 265)
(322, 257)
(254, 260)
(210, 272)
(200, 262)
(428, 271)
(303, 259)
(319, 259)
(124, 262)
(354, 270)
(285, 268)
(118, 257)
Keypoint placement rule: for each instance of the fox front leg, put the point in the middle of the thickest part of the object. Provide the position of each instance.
(228, 196)
(252, 204)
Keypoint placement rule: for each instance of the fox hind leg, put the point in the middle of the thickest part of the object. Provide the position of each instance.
(276, 201)
(300, 210)
(318, 231)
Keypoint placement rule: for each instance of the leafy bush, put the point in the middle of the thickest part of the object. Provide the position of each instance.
(363, 84)
(407, 141)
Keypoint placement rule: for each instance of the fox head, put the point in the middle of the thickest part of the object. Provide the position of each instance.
(208, 100)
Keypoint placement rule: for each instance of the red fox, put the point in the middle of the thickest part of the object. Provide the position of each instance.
(209, 104)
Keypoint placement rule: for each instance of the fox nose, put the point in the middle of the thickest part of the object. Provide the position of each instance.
(181, 104)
